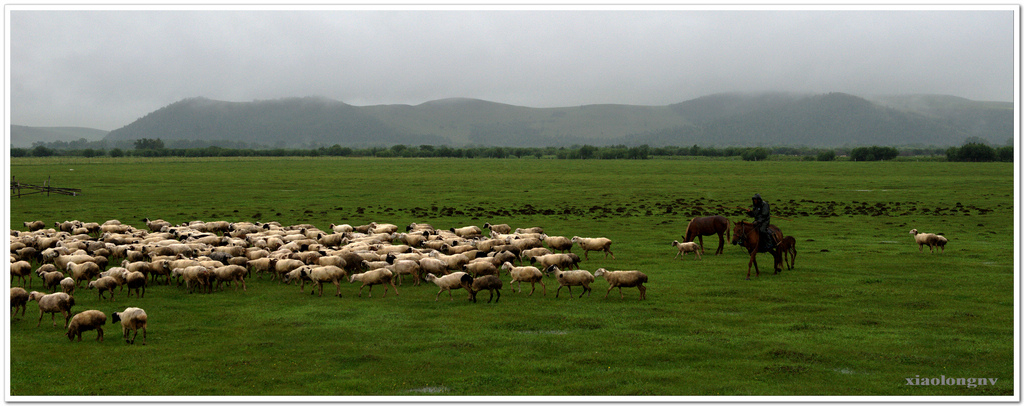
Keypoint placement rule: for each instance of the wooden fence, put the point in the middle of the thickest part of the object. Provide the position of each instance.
(19, 189)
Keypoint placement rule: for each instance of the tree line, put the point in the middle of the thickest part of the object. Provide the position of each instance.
(972, 151)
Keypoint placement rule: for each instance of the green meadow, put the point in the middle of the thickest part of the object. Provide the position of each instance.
(862, 311)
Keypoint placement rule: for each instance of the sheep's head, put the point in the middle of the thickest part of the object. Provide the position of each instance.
(600, 271)
(913, 232)
(114, 317)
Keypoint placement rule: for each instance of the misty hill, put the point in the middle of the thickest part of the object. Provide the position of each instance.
(24, 136)
(825, 120)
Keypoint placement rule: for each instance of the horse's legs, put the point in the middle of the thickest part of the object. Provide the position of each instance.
(701, 239)
(721, 243)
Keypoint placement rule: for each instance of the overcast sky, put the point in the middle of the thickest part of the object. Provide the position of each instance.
(106, 68)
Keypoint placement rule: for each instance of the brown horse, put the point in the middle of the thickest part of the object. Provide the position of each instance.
(701, 226)
(747, 234)
(788, 249)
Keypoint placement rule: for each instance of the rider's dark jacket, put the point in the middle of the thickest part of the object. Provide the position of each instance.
(761, 214)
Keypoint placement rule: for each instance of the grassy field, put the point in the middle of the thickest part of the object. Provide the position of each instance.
(862, 311)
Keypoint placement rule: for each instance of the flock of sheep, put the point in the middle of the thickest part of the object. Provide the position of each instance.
(203, 256)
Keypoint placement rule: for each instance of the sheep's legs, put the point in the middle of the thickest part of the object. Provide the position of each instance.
(643, 292)
(99, 334)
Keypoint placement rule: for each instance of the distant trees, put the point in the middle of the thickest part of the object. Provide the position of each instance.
(874, 153)
(146, 143)
(979, 152)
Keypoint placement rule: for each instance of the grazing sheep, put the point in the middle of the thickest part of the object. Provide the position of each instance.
(297, 274)
(329, 273)
(498, 228)
(157, 225)
(929, 239)
(104, 284)
(433, 266)
(284, 266)
(53, 303)
(685, 247)
(788, 249)
(537, 230)
(85, 321)
(491, 283)
(229, 273)
(19, 298)
(67, 285)
(571, 278)
(136, 280)
(448, 282)
(621, 279)
(132, 318)
(83, 272)
(20, 270)
(525, 274)
(374, 277)
(594, 244)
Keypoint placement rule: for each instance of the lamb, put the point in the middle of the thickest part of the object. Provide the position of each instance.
(229, 273)
(929, 239)
(20, 270)
(196, 275)
(104, 284)
(498, 228)
(685, 247)
(788, 249)
(132, 318)
(297, 274)
(621, 279)
(571, 278)
(83, 271)
(284, 266)
(448, 282)
(594, 244)
(19, 298)
(525, 274)
(375, 277)
(53, 303)
(85, 321)
(329, 273)
(136, 280)
(491, 283)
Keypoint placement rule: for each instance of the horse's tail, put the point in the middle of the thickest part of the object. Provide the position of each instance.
(728, 228)
(686, 234)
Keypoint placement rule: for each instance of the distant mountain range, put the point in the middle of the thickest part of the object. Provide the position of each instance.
(23, 136)
(734, 119)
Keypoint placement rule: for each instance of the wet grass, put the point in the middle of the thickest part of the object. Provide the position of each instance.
(862, 310)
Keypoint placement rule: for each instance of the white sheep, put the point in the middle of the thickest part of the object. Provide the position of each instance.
(406, 267)
(525, 274)
(685, 247)
(132, 318)
(594, 244)
(329, 273)
(621, 279)
(567, 261)
(53, 303)
(229, 273)
(196, 275)
(571, 278)
(480, 268)
(19, 298)
(85, 321)
(381, 276)
(448, 282)
(83, 272)
(929, 239)
(467, 231)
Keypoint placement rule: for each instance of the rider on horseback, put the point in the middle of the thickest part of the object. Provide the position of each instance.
(762, 218)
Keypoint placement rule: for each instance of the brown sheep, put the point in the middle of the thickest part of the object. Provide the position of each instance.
(136, 280)
(19, 298)
(20, 270)
(85, 321)
(491, 283)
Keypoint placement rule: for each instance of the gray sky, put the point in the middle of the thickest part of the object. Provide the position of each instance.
(106, 68)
